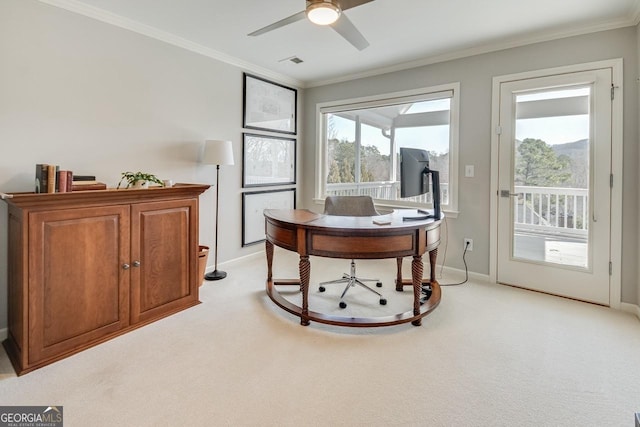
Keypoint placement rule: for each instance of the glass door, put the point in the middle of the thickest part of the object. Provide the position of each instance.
(554, 204)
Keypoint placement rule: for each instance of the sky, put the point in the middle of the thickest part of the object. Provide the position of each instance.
(554, 130)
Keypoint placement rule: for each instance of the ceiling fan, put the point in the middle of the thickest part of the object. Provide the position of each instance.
(326, 12)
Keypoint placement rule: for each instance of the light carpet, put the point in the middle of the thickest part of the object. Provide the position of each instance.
(489, 355)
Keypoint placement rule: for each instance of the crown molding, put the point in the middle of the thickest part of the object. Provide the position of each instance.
(149, 31)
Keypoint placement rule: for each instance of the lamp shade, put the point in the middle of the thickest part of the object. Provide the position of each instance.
(217, 153)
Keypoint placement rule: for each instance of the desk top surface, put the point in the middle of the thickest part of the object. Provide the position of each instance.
(395, 219)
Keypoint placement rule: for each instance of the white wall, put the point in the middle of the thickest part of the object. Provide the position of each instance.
(475, 76)
(98, 99)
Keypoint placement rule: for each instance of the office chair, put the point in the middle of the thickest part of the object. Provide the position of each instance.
(351, 206)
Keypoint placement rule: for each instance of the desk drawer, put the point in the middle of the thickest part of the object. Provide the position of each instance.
(282, 236)
(362, 246)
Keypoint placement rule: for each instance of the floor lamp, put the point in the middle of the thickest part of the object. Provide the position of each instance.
(217, 153)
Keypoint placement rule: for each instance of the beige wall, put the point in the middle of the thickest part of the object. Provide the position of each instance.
(98, 99)
(475, 76)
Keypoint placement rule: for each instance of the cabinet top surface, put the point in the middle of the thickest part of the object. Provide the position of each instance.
(111, 195)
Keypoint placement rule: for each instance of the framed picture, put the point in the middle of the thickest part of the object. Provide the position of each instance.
(253, 205)
(269, 106)
(268, 160)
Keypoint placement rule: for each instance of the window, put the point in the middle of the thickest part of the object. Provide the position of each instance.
(360, 140)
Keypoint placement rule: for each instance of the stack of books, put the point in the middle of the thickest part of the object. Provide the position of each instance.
(86, 182)
(51, 179)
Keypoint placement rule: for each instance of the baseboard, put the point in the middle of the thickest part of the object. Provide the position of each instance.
(258, 254)
(478, 277)
(4, 334)
(630, 308)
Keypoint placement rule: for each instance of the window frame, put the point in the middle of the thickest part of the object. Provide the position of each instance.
(415, 95)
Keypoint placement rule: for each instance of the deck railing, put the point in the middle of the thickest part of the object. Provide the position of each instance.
(552, 210)
(383, 190)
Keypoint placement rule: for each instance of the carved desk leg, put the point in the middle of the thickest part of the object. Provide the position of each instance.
(416, 276)
(305, 274)
(269, 251)
(432, 261)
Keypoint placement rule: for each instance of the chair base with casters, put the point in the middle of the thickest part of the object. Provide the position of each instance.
(351, 206)
(351, 280)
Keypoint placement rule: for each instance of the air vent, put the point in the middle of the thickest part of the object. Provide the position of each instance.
(293, 59)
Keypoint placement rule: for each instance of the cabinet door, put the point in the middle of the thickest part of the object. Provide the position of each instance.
(164, 254)
(78, 290)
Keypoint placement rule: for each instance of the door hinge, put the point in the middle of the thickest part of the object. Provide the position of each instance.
(611, 181)
(498, 130)
(610, 268)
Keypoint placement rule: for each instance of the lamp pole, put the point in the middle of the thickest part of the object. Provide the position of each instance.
(216, 274)
(217, 153)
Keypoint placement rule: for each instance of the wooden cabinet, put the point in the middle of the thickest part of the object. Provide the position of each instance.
(86, 267)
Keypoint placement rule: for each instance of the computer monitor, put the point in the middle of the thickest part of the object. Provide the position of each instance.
(414, 176)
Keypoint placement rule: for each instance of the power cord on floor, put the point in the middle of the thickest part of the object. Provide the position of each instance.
(444, 257)
(466, 270)
(426, 290)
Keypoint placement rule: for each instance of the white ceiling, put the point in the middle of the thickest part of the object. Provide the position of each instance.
(401, 33)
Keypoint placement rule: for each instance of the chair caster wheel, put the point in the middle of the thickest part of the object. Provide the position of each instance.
(321, 289)
(383, 301)
(379, 284)
(343, 304)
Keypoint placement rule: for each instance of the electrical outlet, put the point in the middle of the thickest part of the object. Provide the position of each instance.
(468, 243)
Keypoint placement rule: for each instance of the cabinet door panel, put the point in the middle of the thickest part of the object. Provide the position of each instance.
(163, 241)
(78, 290)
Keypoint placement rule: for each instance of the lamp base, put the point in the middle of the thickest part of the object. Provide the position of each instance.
(215, 275)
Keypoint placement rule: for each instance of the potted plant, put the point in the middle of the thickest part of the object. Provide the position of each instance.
(139, 179)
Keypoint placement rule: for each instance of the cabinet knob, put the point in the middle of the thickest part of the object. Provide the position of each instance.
(136, 263)
(126, 266)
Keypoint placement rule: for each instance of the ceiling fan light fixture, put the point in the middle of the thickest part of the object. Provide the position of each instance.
(323, 13)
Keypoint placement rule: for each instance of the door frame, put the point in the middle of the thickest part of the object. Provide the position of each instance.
(615, 291)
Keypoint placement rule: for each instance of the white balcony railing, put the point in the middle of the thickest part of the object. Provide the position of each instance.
(383, 190)
(553, 210)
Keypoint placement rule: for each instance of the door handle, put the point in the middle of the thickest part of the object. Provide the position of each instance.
(506, 193)
(125, 266)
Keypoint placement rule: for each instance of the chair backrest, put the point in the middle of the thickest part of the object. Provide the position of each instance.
(350, 206)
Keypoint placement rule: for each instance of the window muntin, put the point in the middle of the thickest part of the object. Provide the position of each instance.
(359, 137)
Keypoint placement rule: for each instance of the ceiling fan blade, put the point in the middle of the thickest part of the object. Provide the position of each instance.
(348, 4)
(286, 21)
(346, 29)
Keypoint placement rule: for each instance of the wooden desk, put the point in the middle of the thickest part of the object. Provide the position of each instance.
(308, 233)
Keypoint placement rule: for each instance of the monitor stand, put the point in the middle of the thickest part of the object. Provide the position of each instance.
(435, 191)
